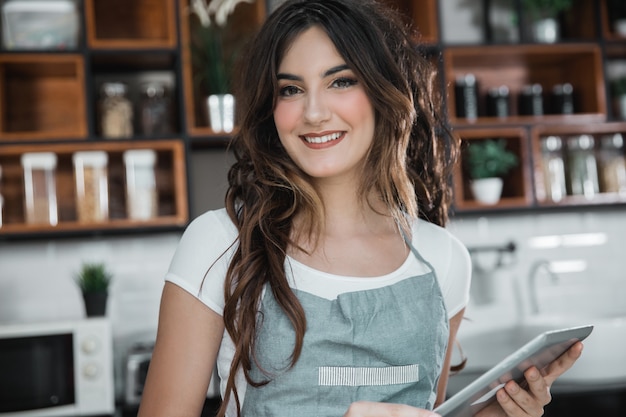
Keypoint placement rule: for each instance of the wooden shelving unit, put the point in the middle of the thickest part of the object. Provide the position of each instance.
(49, 102)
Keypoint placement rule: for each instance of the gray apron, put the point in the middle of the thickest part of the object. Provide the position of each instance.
(385, 344)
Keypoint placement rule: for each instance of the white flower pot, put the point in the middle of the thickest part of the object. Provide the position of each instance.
(546, 30)
(619, 26)
(487, 190)
(221, 112)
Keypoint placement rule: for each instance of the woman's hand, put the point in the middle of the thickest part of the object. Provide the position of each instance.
(515, 401)
(374, 409)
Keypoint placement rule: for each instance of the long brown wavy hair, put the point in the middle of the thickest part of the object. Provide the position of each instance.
(412, 147)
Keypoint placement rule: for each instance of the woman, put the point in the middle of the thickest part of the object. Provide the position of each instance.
(328, 285)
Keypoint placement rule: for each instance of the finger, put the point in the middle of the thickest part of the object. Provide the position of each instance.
(522, 402)
(563, 363)
(537, 386)
(375, 409)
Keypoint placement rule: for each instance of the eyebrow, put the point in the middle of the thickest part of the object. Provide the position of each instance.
(328, 72)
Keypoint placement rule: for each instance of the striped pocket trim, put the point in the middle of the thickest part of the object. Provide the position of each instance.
(364, 376)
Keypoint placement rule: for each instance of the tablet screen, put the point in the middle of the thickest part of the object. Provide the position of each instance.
(539, 352)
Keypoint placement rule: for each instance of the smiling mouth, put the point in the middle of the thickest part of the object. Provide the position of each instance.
(323, 139)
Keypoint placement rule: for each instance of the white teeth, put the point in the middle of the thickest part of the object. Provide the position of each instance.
(323, 139)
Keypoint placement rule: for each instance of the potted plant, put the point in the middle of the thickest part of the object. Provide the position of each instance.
(94, 279)
(215, 46)
(486, 162)
(544, 14)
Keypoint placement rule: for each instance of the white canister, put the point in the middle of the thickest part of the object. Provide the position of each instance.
(40, 198)
(141, 191)
(92, 192)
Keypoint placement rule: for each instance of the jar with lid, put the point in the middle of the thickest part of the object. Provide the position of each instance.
(141, 192)
(553, 168)
(583, 168)
(92, 194)
(155, 109)
(612, 164)
(116, 111)
(40, 200)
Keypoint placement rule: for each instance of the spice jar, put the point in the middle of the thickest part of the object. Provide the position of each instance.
(40, 187)
(116, 111)
(155, 109)
(553, 168)
(141, 192)
(92, 194)
(583, 169)
(612, 164)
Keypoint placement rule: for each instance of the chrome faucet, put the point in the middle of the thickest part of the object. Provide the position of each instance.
(536, 267)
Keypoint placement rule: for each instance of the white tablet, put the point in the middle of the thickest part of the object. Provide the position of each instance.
(539, 352)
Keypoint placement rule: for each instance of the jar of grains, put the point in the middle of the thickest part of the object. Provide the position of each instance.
(40, 199)
(92, 194)
(612, 164)
(116, 111)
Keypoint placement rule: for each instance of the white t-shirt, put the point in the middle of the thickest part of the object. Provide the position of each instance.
(199, 268)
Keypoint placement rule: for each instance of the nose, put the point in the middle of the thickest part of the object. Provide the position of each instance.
(316, 109)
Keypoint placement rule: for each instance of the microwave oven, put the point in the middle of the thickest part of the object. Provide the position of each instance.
(57, 369)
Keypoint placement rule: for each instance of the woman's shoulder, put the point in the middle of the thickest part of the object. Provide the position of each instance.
(438, 245)
(213, 222)
(206, 238)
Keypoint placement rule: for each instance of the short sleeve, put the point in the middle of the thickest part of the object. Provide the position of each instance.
(451, 261)
(202, 257)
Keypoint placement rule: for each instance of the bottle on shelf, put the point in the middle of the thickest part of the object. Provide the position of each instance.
(141, 192)
(583, 168)
(92, 194)
(40, 187)
(466, 90)
(155, 109)
(115, 111)
(553, 167)
(612, 164)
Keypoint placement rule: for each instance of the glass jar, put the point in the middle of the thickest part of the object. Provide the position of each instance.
(583, 169)
(612, 164)
(553, 168)
(141, 192)
(40, 200)
(116, 111)
(92, 194)
(155, 109)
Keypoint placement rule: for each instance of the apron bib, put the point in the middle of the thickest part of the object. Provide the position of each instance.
(385, 344)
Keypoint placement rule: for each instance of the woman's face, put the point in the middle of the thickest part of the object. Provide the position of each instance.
(324, 119)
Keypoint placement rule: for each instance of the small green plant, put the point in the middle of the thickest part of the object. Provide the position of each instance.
(93, 277)
(546, 8)
(489, 158)
(214, 65)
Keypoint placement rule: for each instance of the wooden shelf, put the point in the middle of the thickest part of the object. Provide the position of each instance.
(42, 97)
(517, 189)
(422, 14)
(136, 24)
(170, 176)
(518, 65)
(597, 131)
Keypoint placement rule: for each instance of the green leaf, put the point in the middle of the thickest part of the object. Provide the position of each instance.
(489, 158)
